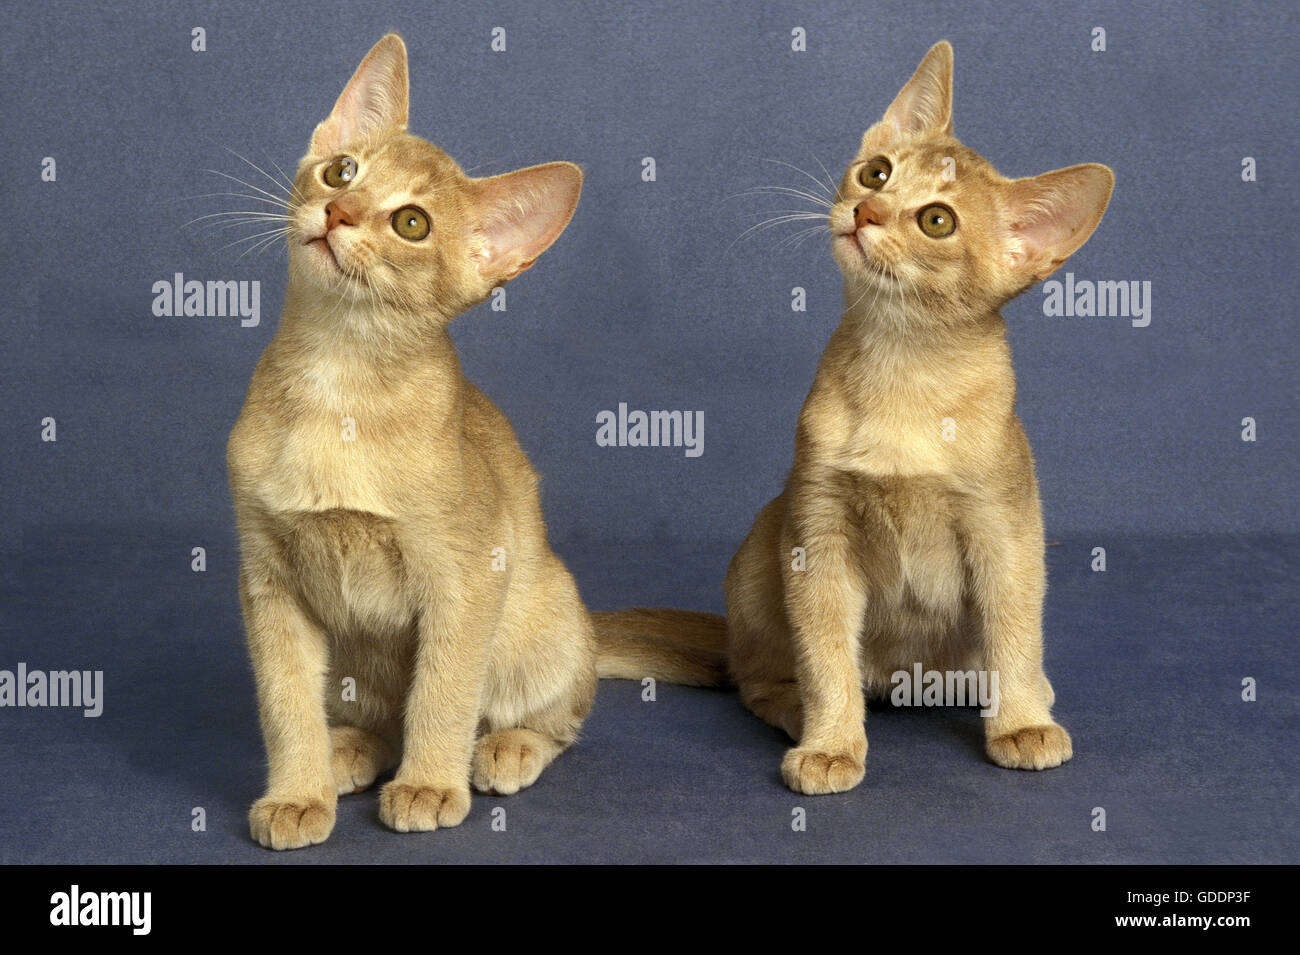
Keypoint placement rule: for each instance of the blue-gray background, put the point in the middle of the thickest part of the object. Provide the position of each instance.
(646, 300)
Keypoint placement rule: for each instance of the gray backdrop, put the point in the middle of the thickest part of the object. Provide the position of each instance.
(1135, 429)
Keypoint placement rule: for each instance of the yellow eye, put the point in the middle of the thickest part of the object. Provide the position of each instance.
(875, 173)
(410, 222)
(936, 221)
(340, 172)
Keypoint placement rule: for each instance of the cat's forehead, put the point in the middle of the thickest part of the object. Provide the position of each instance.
(420, 165)
(934, 153)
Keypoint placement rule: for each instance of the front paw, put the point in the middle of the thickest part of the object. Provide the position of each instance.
(409, 808)
(816, 772)
(290, 823)
(1031, 747)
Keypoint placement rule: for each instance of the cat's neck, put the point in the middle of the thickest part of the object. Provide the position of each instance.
(885, 344)
(886, 323)
(377, 339)
(338, 356)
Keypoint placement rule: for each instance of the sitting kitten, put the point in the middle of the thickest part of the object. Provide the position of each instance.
(912, 495)
(390, 527)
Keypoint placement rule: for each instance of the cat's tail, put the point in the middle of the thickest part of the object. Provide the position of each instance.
(673, 646)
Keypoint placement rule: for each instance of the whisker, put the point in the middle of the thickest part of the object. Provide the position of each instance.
(258, 245)
(258, 168)
(215, 195)
(249, 213)
(216, 228)
(784, 191)
(793, 213)
(276, 199)
(294, 191)
(791, 242)
(249, 238)
(770, 223)
(800, 239)
(830, 180)
(283, 175)
(871, 287)
(803, 172)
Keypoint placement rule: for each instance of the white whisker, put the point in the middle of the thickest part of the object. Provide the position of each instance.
(784, 191)
(250, 214)
(830, 180)
(215, 195)
(273, 198)
(249, 238)
(256, 167)
(803, 172)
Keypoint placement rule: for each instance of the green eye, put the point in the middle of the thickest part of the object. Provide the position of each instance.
(411, 222)
(936, 221)
(875, 173)
(340, 172)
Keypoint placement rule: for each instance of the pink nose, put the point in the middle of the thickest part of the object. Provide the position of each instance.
(865, 214)
(335, 215)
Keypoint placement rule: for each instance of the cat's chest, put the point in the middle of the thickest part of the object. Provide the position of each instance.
(315, 448)
(888, 408)
(908, 441)
(885, 435)
(905, 426)
(326, 464)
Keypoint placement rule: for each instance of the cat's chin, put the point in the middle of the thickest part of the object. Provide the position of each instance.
(847, 245)
(323, 261)
(321, 267)
(320, 247)
(852, 258)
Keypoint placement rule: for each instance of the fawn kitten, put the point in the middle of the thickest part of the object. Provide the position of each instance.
(390, 527)
(918, 549)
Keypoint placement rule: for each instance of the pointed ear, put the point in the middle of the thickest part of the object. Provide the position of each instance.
(1051, 216)
(924, 105)
(375, 99)
(520, 214)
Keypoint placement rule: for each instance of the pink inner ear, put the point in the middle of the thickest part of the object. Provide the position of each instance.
(522, 213)
(919, 109)
(1052, 215)
(925, 103)
(375, 99)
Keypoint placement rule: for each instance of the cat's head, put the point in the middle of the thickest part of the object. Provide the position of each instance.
(921, 218)
(383, 217)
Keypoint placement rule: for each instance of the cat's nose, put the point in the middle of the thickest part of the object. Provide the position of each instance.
(865, 214)
(335, 214)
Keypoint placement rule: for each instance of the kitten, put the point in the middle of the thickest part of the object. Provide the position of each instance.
(921, 537)
(402, 604)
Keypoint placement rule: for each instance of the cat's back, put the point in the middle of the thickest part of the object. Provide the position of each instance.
(488, 433)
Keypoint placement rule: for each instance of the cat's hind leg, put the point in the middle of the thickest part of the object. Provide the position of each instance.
(541, 686)
(358, 757)
(509, 760)
(775, 702)
(759, 645)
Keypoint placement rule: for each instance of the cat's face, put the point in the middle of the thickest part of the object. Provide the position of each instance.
(902, 227)
(384, 218)
(364, 218)
(923, 221)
